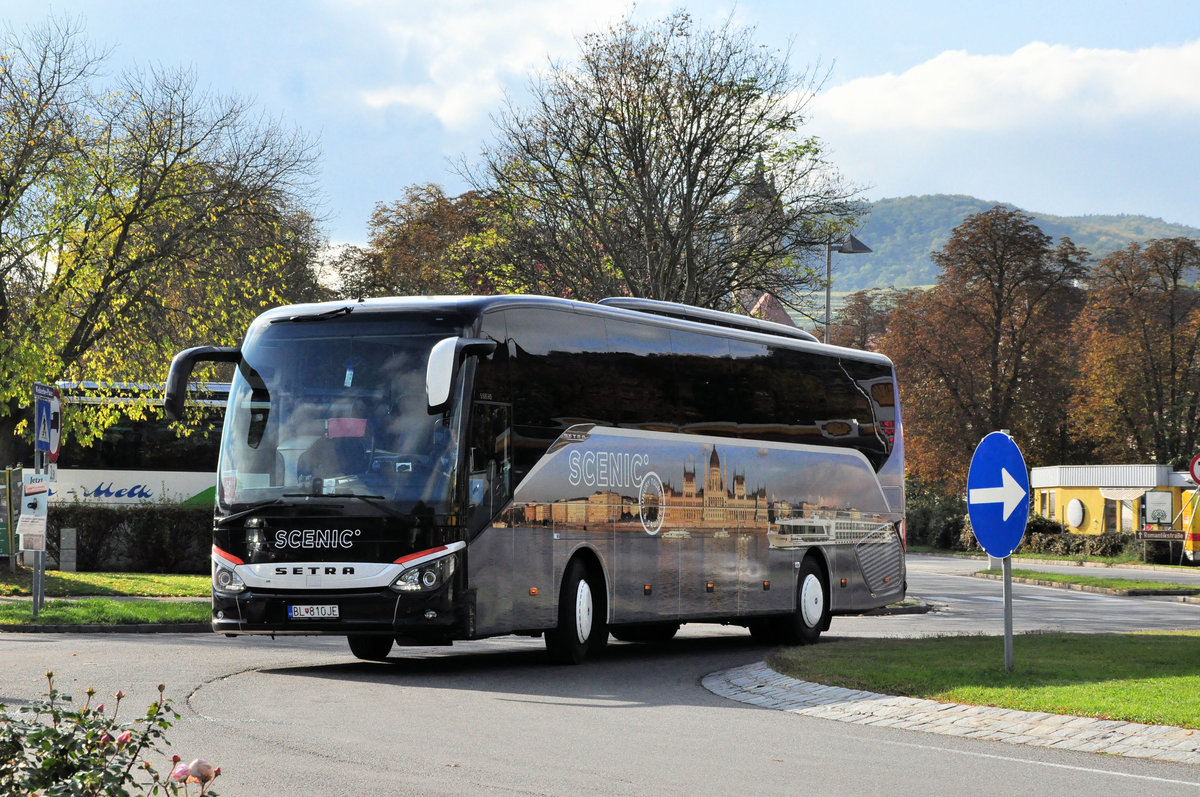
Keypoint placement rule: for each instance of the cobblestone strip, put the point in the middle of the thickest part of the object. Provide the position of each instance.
(759, 685)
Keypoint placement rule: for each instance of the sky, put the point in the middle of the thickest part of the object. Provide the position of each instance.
(1056, 106)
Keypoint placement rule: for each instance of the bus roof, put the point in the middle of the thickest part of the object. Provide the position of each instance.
(668, 314)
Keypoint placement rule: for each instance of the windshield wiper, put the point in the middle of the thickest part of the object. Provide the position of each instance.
(337, 499)
(334, 313)
(377, 501)
(252, 509)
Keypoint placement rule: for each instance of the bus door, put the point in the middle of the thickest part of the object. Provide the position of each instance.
(489, 462)
(490, 559)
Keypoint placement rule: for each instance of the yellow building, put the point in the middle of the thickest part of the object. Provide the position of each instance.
(1095, 499)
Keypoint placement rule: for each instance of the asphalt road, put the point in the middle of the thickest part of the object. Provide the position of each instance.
(301, 716)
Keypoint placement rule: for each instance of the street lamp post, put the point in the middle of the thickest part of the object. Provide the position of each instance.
(850, 246)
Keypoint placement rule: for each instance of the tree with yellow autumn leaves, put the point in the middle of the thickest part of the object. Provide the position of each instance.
(137, 217)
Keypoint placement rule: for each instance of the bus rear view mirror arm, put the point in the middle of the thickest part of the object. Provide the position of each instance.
(444, 360)
(181, 372)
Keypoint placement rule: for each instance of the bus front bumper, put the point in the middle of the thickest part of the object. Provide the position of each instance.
(426, 614)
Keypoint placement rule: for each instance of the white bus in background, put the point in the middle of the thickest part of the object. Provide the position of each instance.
(139, 461)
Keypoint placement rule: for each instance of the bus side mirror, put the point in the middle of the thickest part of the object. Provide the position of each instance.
(444, 358)
(181, 371)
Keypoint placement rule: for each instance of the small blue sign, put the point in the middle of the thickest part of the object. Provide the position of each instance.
(998, 494)
(43, 395)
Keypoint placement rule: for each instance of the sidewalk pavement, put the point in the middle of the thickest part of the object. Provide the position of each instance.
(759, 685)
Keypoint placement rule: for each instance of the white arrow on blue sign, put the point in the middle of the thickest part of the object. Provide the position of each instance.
(998, 494)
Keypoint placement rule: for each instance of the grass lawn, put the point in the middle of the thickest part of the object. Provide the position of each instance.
(1127, 558)
(92, 597)
(1140, 677)
(103, 611)
(61, 584)
(1097, 581)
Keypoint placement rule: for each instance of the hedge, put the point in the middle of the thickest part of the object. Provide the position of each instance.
(149, 538)
(1045, 536)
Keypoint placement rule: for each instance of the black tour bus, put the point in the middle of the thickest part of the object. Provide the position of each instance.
(426, 469)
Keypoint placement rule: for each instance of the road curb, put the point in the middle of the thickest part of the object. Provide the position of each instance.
(759, 685)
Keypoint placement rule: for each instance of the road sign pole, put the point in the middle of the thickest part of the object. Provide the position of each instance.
(1008, 615)
(998, 505)
(44, 397)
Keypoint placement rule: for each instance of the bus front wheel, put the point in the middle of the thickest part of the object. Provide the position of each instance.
(370, 647)
(582, 617)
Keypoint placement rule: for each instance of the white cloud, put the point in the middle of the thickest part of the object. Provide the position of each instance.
(457, 56)
(1039, 84)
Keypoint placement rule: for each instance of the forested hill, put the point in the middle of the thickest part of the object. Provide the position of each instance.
(903, 231)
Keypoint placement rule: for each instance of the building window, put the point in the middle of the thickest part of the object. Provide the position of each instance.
(1110, 515)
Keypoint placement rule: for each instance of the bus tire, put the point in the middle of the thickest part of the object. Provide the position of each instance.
(370, 647)
(649, 633)
(812, 604)
(582, 625)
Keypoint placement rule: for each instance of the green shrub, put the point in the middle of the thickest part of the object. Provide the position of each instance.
(146, 538)
(48, 748)
(941, 521)
(1046, 536)
(932, 517)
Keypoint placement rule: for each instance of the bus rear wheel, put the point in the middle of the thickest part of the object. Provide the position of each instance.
(370, 647)
(582, 628)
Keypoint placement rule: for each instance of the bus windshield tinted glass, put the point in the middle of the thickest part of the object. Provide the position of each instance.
(338, 407)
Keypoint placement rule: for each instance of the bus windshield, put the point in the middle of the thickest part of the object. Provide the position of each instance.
(335, 407)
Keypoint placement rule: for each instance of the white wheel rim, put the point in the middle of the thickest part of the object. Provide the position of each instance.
(812, 601)
(583, 611)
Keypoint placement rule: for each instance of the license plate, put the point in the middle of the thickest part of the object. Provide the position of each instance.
(325, 612)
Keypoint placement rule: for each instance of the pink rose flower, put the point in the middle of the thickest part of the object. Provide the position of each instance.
(201, 770)
(180, 773)
(124, 738)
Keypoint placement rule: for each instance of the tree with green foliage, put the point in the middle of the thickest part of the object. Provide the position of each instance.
(668, 163)
(136, 219)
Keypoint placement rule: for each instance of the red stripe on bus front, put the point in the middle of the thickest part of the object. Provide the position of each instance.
(226, 555)
(418, 555)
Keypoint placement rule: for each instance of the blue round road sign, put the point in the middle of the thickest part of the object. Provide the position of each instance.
(998, 494)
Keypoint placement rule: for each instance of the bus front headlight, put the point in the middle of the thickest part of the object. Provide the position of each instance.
(226, 581)
(426, 576)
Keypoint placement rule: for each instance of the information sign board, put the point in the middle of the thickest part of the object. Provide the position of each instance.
(32, 522)
(1160, 535)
